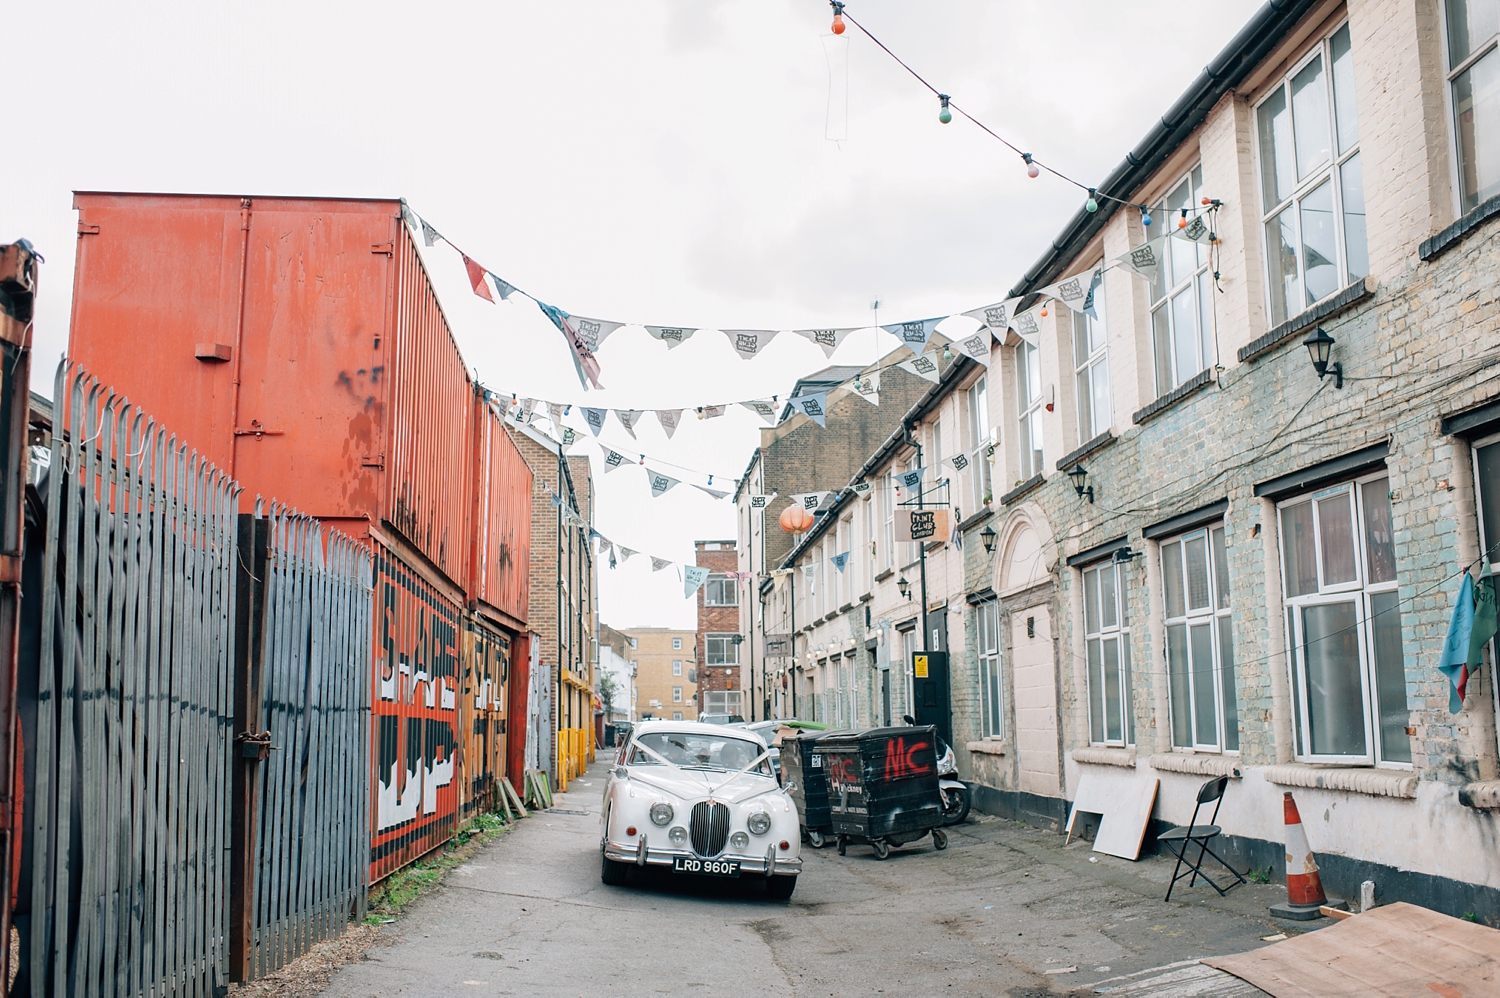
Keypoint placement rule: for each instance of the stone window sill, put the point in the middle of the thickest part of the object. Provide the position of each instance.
(1459, 230)
(885, 575)
(1098, 443)
(1192, 385)
(1306, 319)
(990, 746)
(1482, 796)
(1200, 765)
(1356, 780)
(1099, 755)
(1020, 490)
(971, 521)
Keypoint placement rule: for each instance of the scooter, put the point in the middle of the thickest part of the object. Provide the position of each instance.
(956, 797)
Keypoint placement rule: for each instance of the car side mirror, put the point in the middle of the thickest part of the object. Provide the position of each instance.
(790, 787)
(909, 719)
(621, 772)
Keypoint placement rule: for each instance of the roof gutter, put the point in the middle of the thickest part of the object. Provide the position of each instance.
(1243, 53)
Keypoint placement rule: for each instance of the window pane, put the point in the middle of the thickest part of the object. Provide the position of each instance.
(1081, 346)
(1203, 685)
(1275, 126)
(1096, 692)
(1177, 665)
(1085, 406)
(1112, 691)
(1336, 532)
(1099, 381)
(1344, 115)
(1310, 117)
(1390, 678)
(1488, 462)
(1356, 243)
(1091, 601)
(1119, 574)
(1320, 254)
(1161, 338)
(1196, 550)
(1107, 601)
(1185, 335)
(1471, 23)
(1129, 704)
(1206, 320)
(1226, 673)
(1171, 570)
(1335, 700)
(1033, 374)
(1184, 252)
(1476, 111)
(1380, 549)
(1297, 549)
(1221, 569)
(1292, 662)
(1281, 252)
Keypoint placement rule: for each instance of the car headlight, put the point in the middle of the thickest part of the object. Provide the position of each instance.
(739, 840)
(678, 835)
(661, 813)
(759, 822)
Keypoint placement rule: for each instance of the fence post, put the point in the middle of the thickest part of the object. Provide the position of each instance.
(249, 741)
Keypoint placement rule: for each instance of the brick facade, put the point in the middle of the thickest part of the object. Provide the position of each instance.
(717, 557)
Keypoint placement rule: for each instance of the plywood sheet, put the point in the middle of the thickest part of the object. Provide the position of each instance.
(1398, 949)
(1124, 802)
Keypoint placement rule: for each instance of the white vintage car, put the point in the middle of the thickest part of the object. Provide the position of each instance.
(699, 799)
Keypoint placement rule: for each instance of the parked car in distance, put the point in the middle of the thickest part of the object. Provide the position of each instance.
(700, 799)
(767, 731)
(720, 719)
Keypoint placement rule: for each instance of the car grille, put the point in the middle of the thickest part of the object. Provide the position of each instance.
(709, 826)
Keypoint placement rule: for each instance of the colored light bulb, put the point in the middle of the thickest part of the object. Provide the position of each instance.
(838, 23)
(1032, 170)
(947, 353)
(944, 115)
(1091, 205)
(1182, 222)
(1145, 215)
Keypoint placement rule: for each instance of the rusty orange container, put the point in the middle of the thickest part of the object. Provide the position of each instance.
(502, 479)
(485, 674)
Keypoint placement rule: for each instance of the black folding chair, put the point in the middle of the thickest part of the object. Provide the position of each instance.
(1181, 840)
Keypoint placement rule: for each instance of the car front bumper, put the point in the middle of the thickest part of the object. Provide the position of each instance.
(642, 853)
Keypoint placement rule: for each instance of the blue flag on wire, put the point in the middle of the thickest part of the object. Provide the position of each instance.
(1454, 660)
(840, 560)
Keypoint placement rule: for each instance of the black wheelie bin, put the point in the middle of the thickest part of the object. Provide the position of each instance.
(803, 769)
(883, 787)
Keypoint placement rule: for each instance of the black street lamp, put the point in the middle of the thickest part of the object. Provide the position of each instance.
(988, 535)
(1320, 347)
(904, 587)
(1080, 477)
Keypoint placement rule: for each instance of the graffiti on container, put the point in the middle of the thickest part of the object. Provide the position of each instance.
(844, 774)
(903, 761)
(486, 667)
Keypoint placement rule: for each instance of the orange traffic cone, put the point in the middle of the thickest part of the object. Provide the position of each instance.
(1304, 888)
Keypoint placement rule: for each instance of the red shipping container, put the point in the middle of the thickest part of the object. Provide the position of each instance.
(502, 519)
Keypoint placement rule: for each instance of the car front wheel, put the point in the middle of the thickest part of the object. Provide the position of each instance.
(612, 873)
(780, 888)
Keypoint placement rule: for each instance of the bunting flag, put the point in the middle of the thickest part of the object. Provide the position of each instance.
(555, 413)
(867, 387)
(997, 317)
(583, 358)
(711, 411)
(749, 342)
(839, 561)
(614, 459)
(672, 336)
(595, 419)
(611, 556)
(814, 406)
(911, 479)
(527, 407)
(625, 554)
(810, 501)
(502, 287)
(556, 499)
(627, 418)
(1195, 231)
(959, 461)
(1145, 259)
(668, 418)
(764, 408)
(761, 501)
(692, 578)
(828, 339)
(1072, 291)
(660, 484)
(1454, 658)
(657, 564)
(716, 493)
(977, 345)
(430, 236)
(594, 332)
(925, 366)
(1027, 327)
(477, 275)
(1089, 302)
(914, 334)
(860, 488)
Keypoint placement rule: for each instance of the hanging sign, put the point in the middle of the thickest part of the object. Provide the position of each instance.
(778, 645)
(921, 524)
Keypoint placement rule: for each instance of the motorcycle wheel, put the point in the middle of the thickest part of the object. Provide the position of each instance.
(816, 839)
(956, 805)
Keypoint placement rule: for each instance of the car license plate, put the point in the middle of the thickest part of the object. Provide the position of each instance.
(711, 867)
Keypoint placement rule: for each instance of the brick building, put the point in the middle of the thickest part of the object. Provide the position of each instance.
(665, 686)
(718, 636)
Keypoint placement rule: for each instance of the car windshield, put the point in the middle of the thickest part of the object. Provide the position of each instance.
(691, 750)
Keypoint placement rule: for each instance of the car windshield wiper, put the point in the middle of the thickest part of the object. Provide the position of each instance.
(717, 769)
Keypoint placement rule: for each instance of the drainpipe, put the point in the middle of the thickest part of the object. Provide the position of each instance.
(239, 334)
(911, 441)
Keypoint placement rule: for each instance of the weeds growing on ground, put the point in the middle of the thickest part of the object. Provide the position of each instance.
(392, 895)
(1260, 876)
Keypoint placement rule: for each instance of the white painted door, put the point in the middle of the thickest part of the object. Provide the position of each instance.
(1036, 701)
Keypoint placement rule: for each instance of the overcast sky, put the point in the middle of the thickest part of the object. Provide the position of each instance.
(659, 161)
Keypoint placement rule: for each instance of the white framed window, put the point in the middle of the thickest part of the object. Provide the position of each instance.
(1029, 408)
(721, 591)
(1312, 190)
(843, 582)
(867, 514)
(888, 517)
(677, 644)
(1106, 628)
(818, 583)
(1091, 369)
(721, 702)
(1200, 645)
(676, 715)
(677, 694)
(677, 667)
(720, 649)
(1474, 90)
(1182, 328)
(978, 405)
(911, 642)
(1343, 619)
(991, 682)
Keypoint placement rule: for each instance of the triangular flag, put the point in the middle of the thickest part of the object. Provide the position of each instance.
(711, 411)
(614, 459)
(1090, 304)
(840, 560)
(959, 461)
(660, 483)
(810, 501)
(477, 275)
(503, 287)
(410, 217)
(1194, 231)
(555, 412)
(761, 501)
(672, 336)
(594, 332)
(1145, 259)
(914, 334)
(625, 554)
(594, 417)
(997, 317)
(612, 557)
(1072, 291)
(1027, 327)
(527, 407)
(556, 499)
(924, 366)
(668, 418)
(692, 578)
(430, 236)
(828, 339)
(749, 342)
(657, 564)
(867, 387)
(1454, 658)
(717, 494)
(627, 418)
(814, 406)
(583, 358)
(860, 488)
(764, 408)
(977, 345)
(911, 479)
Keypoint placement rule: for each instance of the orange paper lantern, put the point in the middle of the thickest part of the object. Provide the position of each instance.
(795, 519)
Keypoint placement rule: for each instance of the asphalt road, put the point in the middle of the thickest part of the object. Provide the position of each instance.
(991, 915)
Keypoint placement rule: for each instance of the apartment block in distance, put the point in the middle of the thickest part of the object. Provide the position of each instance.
(666, 674)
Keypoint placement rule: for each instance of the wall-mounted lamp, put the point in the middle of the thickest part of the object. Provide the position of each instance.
(1320, 346)
(988, 535)
(904, 587)
(1080, 477)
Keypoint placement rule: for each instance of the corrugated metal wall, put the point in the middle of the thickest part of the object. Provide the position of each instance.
(482, 699)
(502, 524)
